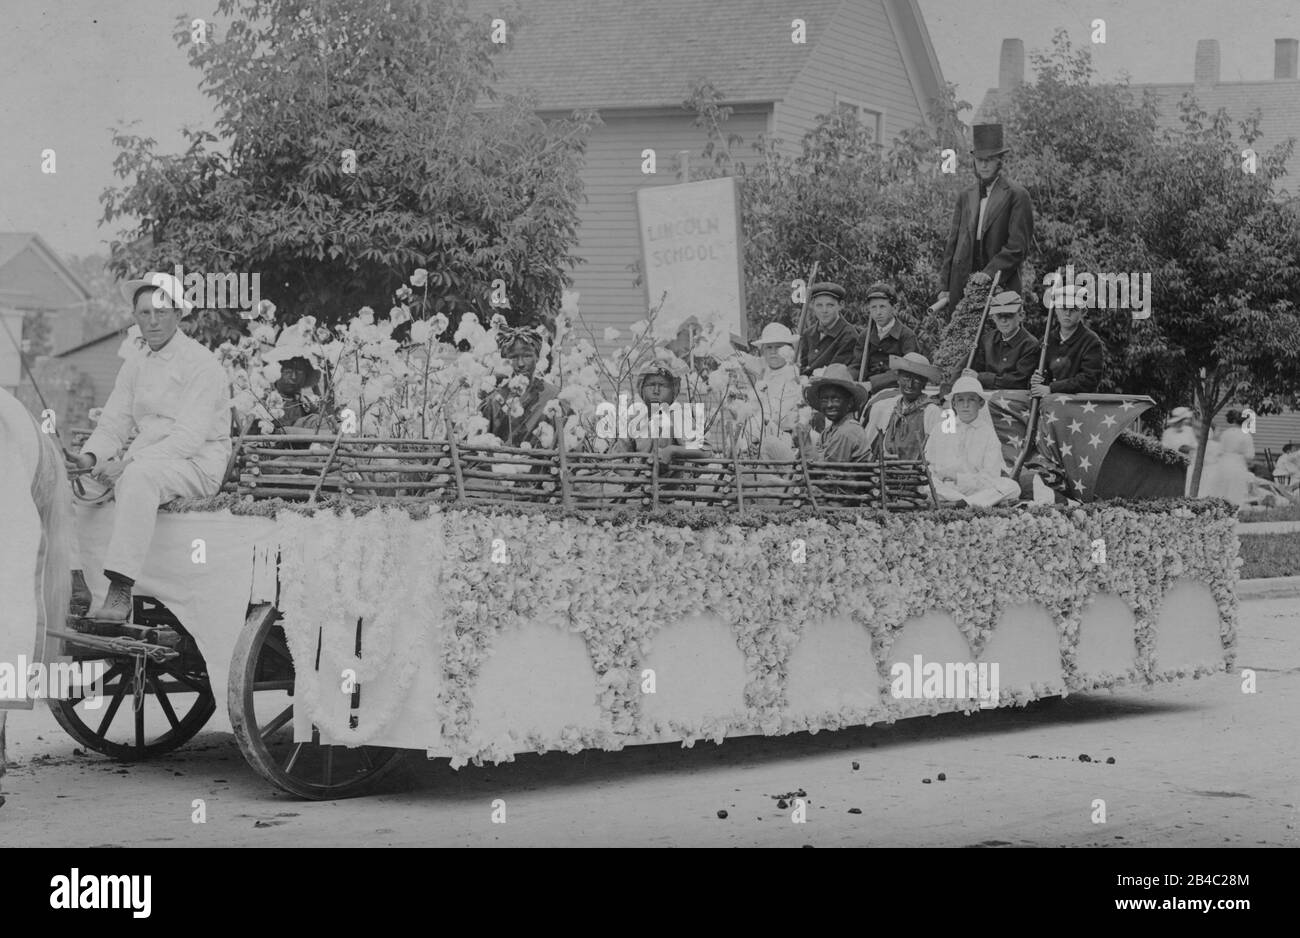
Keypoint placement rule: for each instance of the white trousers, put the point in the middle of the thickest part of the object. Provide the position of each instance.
(142, 487)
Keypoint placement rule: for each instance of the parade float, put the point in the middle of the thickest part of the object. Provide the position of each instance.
(390, 577)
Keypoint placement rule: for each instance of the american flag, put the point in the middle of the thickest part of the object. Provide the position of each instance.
(1074, 434)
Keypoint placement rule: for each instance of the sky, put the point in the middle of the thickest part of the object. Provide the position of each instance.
(72, 69)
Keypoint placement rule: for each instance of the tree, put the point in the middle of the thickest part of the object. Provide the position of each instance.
(106, 310)
(864, 212)
(473, 194)
(1115, 193)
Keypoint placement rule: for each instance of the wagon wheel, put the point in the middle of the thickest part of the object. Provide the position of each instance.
(136, 720)
(261, 714)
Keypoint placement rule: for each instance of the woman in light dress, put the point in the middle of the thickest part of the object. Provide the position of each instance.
(780, 395)
(1180, 434)
(1229, 476)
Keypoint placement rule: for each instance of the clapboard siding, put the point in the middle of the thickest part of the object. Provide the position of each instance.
(859, 60)
(1272, 431)
(99, 360)
(42, 288)
(609, 239)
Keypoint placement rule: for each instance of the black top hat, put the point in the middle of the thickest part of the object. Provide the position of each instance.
(830, 289)
(988, 141)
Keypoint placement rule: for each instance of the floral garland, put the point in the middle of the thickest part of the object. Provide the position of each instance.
(963, 328)
(619, 584)
(1149, 446)
(343, 569)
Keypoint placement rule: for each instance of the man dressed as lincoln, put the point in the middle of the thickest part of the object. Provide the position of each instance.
(992, 224)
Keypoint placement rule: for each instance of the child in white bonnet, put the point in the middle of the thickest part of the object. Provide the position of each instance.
(966, 458)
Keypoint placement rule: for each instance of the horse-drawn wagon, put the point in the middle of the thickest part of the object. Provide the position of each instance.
(349, 599)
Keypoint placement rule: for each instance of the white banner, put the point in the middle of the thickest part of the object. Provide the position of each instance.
(692, 249)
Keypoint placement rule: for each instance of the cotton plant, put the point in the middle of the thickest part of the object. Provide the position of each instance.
(415, 390)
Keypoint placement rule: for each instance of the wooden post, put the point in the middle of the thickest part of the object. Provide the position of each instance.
(929, 478)
(566, 496)
(740, 497)
(884, 502)
(654, 479)
(807, 478)
(455, 460)
(338, 438)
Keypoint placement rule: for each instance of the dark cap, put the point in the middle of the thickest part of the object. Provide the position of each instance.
(829, 289)
(882, 289)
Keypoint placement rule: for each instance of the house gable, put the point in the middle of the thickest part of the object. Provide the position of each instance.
(866, 60)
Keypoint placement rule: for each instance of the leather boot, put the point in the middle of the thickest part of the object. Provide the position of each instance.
(79, 605)
(117, 604)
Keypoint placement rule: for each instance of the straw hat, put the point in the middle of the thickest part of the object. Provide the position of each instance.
(293, 344)
(839, 376)
(172, 288)
(1181, 415)
(914, 363)
(775, 334)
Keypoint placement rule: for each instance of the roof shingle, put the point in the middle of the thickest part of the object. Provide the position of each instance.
(595, 54)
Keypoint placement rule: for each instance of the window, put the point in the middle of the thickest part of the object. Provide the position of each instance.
(871, 118)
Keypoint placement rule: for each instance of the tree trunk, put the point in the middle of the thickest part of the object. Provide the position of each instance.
(1207, 404)
(1201, 404)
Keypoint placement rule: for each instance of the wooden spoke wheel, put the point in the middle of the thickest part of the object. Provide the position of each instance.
(141, 713)
(261, 714)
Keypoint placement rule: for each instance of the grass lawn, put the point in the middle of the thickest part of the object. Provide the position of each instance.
(1270, 555)
(1281, 513)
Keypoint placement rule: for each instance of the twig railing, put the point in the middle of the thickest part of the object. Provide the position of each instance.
(307, 467)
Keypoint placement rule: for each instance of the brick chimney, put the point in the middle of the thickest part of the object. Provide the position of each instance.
(1285, 53)
(1207, 62)
(1011, 66)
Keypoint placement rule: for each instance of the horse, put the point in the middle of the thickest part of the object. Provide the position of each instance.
(36, 547)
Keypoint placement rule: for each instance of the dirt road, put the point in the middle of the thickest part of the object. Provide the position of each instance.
(1195, 764)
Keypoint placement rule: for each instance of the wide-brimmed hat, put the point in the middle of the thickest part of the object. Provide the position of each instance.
(968, 385)
(828, 288)
(914, 363)
(775, 334)
(167, 283)
(293, 344)
(838, 376)
(1181, 415)
(988, 141)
